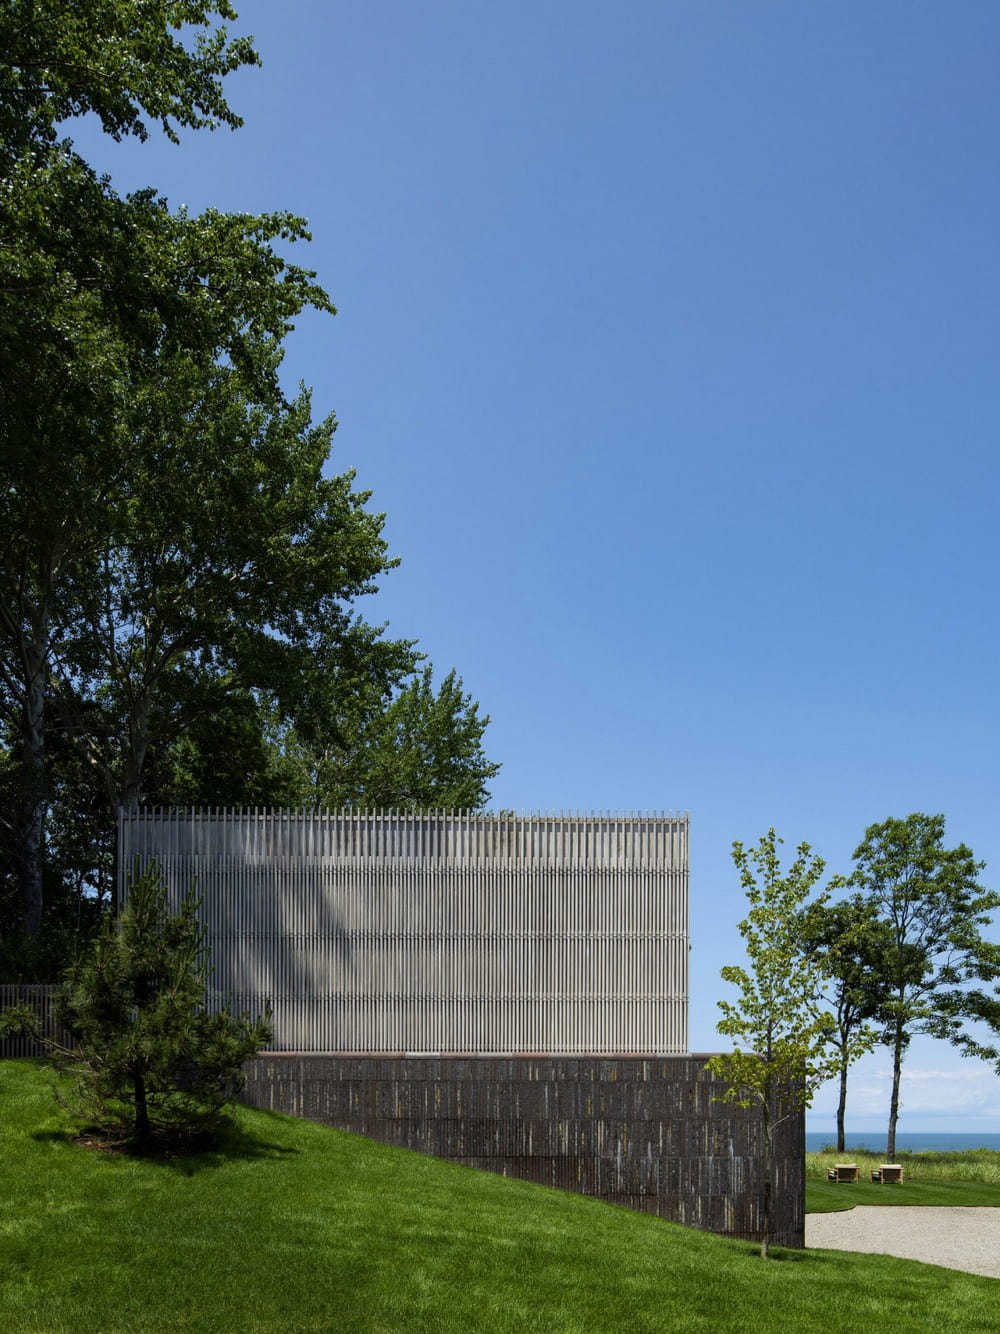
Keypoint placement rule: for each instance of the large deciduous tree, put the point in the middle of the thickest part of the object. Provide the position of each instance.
(238, 561)
(173, 548)
(112, 323)
(781, 1031)
(420, 749)
(848, 941)
(121, 60)
(89, 284)
(934, 910)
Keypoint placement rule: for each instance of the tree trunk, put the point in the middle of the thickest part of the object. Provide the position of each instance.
(141, 1112)
(842, 1104)
(136, 748)
(31, 831)
(897, 1067)
(765, 1219)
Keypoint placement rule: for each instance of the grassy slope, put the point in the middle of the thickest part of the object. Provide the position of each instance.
(303, 1228)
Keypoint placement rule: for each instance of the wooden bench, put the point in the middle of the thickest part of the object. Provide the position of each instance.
(843, 1172)
(888, 1174)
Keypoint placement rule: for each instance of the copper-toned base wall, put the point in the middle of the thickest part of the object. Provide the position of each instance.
(636, 1131)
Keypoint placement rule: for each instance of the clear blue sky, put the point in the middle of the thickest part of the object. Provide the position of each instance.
(668, 343)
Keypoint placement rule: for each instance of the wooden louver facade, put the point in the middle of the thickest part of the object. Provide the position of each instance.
(438, 932)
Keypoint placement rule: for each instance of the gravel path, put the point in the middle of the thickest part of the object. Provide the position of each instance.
(958, 1238)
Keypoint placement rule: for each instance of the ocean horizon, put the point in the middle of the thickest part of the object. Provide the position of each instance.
(910, 1141)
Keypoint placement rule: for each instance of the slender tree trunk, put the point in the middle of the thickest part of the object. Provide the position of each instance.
(842, 1104)
(897, 1068)
(136, 750)
(141, 1112)
(765, 1219)
(31, 832)
(158, 652)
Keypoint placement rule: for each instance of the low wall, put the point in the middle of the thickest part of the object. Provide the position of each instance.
(642, 1132)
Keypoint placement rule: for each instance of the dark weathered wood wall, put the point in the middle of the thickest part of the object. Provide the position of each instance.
(636, 1131)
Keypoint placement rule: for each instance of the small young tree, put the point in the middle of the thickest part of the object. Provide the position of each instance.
(148, 1059)
(782, 1036)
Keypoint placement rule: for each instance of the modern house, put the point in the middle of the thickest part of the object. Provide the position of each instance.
(508, 991)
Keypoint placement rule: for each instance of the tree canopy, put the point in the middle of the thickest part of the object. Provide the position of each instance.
(118, 59)
(176, 553)
(848, 941)
(933, 910)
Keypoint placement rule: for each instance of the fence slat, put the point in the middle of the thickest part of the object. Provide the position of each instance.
(41, 999)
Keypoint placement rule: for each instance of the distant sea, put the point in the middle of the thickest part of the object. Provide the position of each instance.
(914, 1141)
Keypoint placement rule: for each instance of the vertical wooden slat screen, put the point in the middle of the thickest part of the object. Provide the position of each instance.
(41, 999)
(434, 932)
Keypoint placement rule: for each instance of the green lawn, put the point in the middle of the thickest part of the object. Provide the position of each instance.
(969, 1178)
(299, 1227)
(824, 1197)
(977, 1165)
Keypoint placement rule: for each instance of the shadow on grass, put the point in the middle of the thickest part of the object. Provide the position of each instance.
(776, 1254)
(231, 1144)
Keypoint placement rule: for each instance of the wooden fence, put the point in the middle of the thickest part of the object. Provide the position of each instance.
(436, 932)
